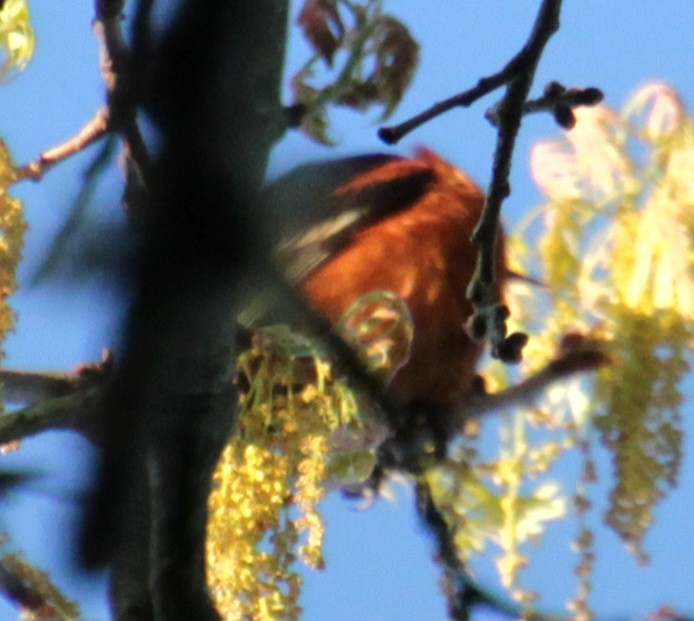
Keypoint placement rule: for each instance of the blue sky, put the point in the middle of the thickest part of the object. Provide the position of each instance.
(379, 565)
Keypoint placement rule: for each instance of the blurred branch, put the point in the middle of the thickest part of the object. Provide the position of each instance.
(411, 451)
(55, 400)
(78, 209)
(118, 115)
(462, 594)
(32, 591)
(31, 387)
(115, 61)
(169, 409)
(80, 411)
(530, 388)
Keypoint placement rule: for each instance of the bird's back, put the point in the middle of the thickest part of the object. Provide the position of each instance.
(420, 249)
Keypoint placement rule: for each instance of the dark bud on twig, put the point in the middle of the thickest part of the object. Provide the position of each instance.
(510, 350)
(554, 89)
(294, 114)
(587, 96)
(499, 316)
(388, 135)
(477, 327)
(564, 117)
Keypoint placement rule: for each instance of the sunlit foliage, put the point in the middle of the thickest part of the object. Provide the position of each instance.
(12, 229)
(361, 57)
(301, 431)
(16, 38)
(614, 244)
(619, 252)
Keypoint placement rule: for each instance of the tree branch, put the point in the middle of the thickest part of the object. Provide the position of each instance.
(118, 115)
(462, 593)
(115, 62)
(521, 65)
(31, 387)
(529, 389)
(489, 320)
(93, 130)
(411, 451)
(510, 113)
(78, 412)
(393, 134)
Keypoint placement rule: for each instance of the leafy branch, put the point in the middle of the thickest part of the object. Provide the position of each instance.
(369, 37)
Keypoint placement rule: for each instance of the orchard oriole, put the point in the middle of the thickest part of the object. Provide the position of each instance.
(382, 222)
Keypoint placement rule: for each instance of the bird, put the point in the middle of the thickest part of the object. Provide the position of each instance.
(381, 222)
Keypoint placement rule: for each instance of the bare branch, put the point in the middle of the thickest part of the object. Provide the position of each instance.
(170, 406)
(30, 387)
(32, 591)
(490, 316)
(93, 130)
(17, 592)
(410, 450)
(78, 412)
(529, 389)
(521, 65)
(55, 400)
(462, 593)
(118, 115)
(115, 61)
(558, 100)
(393, 134)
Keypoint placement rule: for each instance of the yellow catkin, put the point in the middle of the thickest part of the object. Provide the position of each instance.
(283, 458)
(16, 38)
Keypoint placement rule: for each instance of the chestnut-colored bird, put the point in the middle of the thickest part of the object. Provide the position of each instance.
(381, 222)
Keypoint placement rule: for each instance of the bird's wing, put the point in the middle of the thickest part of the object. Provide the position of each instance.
(320, 207)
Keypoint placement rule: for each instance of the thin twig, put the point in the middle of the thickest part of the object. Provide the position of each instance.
(462, 593)
(411, 451)
(490, 317)
(393, 134)
(522, 63)
(93, 130)
(115, 62)
(529, 389)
